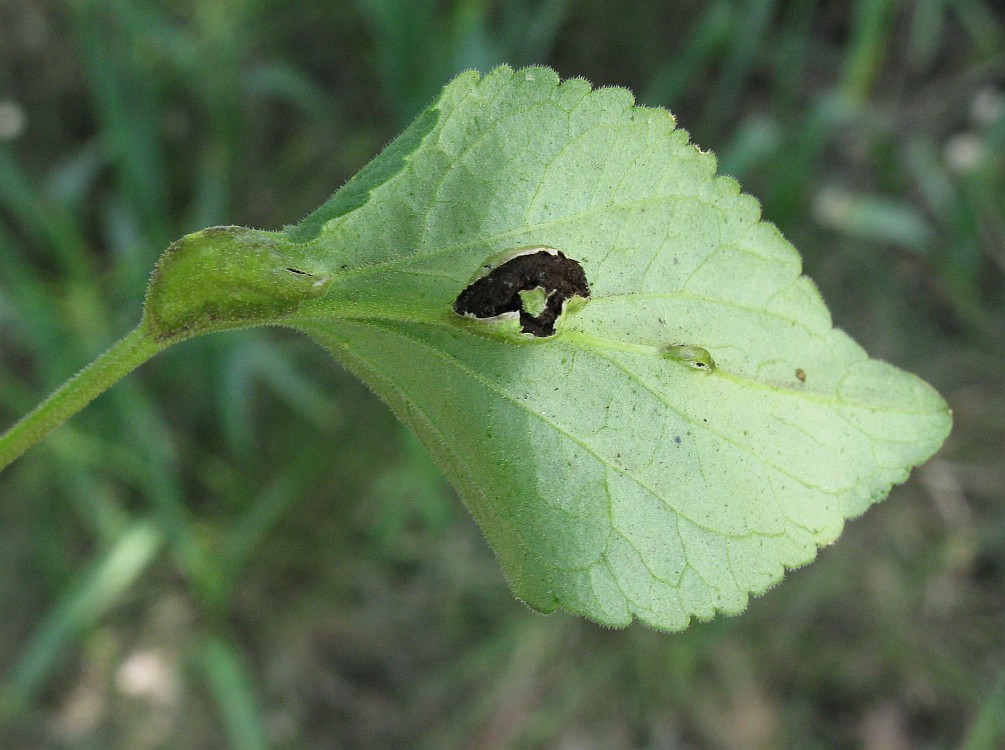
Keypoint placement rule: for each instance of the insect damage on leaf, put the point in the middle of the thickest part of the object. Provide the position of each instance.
(630, 489)
(694, 356)
(534, 283)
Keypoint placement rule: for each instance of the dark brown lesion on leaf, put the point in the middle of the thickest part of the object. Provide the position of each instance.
(498, 292)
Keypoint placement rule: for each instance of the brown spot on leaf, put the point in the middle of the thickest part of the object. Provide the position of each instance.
(498, 291)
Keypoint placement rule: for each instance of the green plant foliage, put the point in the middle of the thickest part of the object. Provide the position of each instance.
(619, 366)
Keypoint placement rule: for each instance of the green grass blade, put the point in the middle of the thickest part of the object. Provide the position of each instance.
(982, 25)
(160, 485)
(40, 219)
(740, 60)
(927, 19)
(235, 697)
(704, 43)
(870, 40)
(97, 591)
(129, 108)
(253, 525)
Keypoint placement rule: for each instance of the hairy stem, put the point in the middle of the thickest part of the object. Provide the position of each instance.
(122, 358)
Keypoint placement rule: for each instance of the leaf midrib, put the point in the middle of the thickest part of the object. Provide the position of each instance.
(585, 342)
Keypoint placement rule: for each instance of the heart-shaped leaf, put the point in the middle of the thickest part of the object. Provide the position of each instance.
(619, 366)
(694, 425)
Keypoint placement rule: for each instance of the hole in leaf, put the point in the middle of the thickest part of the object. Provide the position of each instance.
(535, 284)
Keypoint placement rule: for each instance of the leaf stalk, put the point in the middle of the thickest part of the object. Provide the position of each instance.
(122, 358)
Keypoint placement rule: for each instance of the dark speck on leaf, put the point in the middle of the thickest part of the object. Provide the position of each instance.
(677, 440)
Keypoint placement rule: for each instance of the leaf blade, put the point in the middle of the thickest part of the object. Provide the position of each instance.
(612, 480)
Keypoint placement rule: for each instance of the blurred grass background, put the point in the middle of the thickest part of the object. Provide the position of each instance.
(238, 547)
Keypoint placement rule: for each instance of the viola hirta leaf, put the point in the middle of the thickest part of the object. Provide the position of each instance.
(619, 366)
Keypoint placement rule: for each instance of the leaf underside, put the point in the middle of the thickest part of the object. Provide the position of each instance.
(611, 479)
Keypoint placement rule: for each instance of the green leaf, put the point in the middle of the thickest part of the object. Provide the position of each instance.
(695, 427)
(622, 370)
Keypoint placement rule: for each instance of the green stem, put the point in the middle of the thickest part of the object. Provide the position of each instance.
(122, 358)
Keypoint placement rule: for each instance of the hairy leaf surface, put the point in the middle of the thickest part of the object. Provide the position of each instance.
(694, 425)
